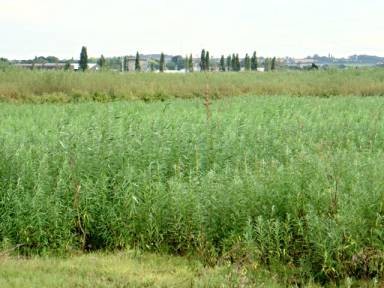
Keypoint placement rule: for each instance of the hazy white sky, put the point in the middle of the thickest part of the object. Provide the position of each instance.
(297, 28)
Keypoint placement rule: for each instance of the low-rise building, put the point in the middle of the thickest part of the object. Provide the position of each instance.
(55, 66)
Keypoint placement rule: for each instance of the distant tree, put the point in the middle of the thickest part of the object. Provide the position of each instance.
(43, 60)
(137, 62)
(314, 67)
(170, 65)
(4, 64)
(190, 63)
(233, 63)
(67, 65)
(247, 63)
(126, 63)
(222, 64)
(207, 61)
(40, 60)
(52, 59)
(101, 62)
(238, 65)
(178, 62)
(267, 64)
(115, 63)
(202, 60)
(229, 62)
(273, 64)
(254, 63)
(162, 62)
(186, 63)
(154, 65)
(83, 63)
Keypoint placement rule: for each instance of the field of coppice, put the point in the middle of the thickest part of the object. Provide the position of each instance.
(278, 180)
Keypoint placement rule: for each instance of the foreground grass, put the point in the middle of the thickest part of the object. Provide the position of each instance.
(275, 181)
(128, 269)
(134, 269)
(58, 86)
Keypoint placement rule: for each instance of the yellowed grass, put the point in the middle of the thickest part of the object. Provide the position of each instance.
(124, 269)
(58, 86)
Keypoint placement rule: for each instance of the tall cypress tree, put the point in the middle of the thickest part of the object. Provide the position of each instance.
(233, 62)
(137, 62)
(83, 63)
(222, 64)
(190, 63)
(152, 66)
(101, 62)
(273, 63)
(126, 63)
(67, 65)
(202, 60)
(254, 63)
(247, 63)
(267, 64)
(238, 66)
(207, 61)
(186, 63)
(162, 62)
(229, 62)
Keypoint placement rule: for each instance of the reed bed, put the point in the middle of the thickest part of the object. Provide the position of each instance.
(291, 181)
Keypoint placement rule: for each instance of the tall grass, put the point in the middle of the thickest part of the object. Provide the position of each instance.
(294, 181)
(55, 86)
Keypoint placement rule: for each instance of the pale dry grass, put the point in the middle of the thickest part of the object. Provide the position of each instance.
(56, 86)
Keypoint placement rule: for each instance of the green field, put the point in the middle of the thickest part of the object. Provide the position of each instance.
(134, 269)
(55, 86)
(291, 184)
(126, 269)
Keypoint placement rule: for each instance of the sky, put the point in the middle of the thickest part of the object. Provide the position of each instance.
(296, 28)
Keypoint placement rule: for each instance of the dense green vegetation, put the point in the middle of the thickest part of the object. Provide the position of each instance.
(63, 86)
(293, 182)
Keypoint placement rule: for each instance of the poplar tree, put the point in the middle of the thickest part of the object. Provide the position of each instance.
(222, 64)
(247, 63)
(83, 63)
(101, 62)
(254, 63)
(273, 63)
(207, 61)
(190, 63)
(126, 63)
(186, 63)
(233, 62)
(152, 66)
(162, 62)
(267, 64)
(202, 60)
(137, 62)
(238, 66)
(229, 62)
(67, 65)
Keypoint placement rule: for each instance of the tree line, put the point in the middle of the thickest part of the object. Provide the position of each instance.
(230, 63)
